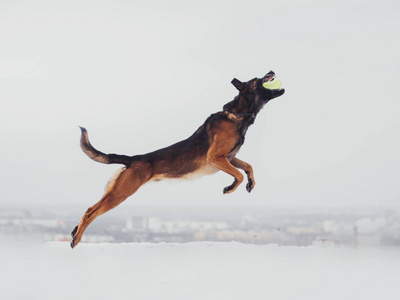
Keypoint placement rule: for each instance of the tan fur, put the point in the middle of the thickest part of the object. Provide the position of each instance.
(113, 179)
(127, 183)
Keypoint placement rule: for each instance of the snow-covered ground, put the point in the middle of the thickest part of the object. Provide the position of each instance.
(201, 270)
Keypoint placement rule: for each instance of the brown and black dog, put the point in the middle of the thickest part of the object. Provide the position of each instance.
(211, 148)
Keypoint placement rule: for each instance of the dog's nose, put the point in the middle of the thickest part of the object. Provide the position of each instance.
(268, 76)
(270, 73)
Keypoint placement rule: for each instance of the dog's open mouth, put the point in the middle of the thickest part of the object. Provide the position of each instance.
(268, 77)
(270, 82)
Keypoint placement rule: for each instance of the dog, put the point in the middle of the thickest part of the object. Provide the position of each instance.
(213, 147)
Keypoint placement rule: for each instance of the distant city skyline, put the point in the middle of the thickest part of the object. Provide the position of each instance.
(334, 228)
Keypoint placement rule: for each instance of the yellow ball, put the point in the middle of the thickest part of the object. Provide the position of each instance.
(273, 85)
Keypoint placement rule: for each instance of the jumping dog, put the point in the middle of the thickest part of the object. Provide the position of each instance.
(211, 148)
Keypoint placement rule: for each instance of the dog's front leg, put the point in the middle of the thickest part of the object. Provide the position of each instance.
(217, 156)
(223, 164)
(249, 172)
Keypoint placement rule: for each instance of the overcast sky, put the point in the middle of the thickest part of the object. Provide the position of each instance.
(141, 75)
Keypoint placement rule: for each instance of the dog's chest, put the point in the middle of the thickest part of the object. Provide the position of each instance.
(239, 143)
(234, 152)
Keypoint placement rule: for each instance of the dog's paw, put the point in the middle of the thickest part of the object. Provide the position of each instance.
(250, 185)
(232, 187)
(73, 237)
(228, 189)
(74, 231)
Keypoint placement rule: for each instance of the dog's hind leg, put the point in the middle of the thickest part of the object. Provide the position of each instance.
(123, 186)
(249, 172)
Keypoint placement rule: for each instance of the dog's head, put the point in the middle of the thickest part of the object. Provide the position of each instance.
(252, 94)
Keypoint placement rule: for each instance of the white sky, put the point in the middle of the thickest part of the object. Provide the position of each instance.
(141, 76)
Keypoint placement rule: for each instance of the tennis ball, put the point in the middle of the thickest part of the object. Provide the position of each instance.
(273, 85)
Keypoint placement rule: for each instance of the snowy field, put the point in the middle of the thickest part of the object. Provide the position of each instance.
(201, 270)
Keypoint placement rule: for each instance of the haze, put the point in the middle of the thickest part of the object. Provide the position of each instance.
(143, 75)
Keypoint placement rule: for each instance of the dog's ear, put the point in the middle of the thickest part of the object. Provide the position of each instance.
(238, 84)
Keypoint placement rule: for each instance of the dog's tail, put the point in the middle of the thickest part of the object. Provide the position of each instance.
(100, 156)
